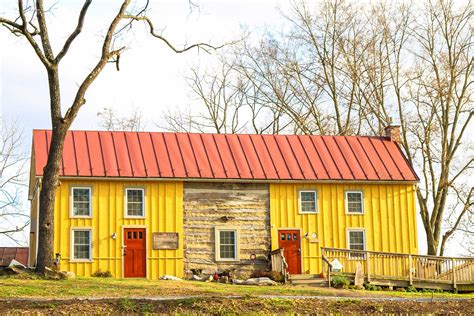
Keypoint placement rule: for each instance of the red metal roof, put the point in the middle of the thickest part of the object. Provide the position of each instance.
(7, 254)
(224, 156)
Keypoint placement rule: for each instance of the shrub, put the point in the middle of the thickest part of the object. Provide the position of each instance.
(412, 289)
(339, 281)
(102, 274)
(372, 287)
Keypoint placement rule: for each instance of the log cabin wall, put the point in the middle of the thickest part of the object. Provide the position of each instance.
(244, 206)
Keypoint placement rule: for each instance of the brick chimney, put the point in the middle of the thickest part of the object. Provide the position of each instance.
(393, 132)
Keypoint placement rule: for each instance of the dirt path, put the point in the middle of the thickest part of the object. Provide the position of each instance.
(239, 304)
(227, 297)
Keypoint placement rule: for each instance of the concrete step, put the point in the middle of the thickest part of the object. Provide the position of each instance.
(316, 282)
(304, 276)
(310, 279)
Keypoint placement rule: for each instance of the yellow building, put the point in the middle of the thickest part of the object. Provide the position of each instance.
(154, 204)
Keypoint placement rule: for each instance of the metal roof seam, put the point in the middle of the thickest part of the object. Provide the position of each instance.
(115, 154)
(283, 158)
(143, 156)
(332, 158)
(102, 153)
(345, 159)
(232, 155)
(393, 160)
(207, 156)
(258, 156)
(307, 157)
(220, 156)
(356, 158)
(128, 153)
(405, 158)
(380, 158)
(271, 159)
(88, 154)
(181, 155)
(168, 153)
(319, 156)
(294, 156)
(75, 152)
(245, 156)
(368, 158)
(154, 153)
(194, 155)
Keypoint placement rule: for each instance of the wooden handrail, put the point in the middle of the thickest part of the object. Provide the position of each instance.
(407, 267)
(395, 254)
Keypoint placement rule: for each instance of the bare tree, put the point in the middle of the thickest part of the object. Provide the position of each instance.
(31, 24)
(111, 121)
(13, 217)
(344, 68)
(225, 104)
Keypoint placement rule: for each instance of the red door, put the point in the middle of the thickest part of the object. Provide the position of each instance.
(134, 253)
(290, 241)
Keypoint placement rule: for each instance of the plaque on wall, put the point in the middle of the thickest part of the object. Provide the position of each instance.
(165, 241)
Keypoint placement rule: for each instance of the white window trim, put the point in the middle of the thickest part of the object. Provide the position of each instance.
(348, 230)
(125, 207)
(71, 256)
(315, 203)
(71, 202)
(346, 202)
(217, 230)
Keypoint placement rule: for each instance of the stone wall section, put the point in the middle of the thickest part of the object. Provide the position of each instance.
(241, 205)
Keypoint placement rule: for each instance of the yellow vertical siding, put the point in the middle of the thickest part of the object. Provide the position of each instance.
(389, 218)
(33, 230)
(163, 213)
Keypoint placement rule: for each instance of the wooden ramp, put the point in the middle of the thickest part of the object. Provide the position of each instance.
(402, 270)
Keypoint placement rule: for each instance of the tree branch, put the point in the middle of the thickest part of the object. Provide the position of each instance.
(77, 31)
(204, 46)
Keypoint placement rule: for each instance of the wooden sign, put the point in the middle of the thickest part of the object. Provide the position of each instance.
(165, 241)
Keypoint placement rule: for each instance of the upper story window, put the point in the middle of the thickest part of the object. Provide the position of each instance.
(308, 201)
(356, 241)
(135, 201)
(81, 244)
(354, 202)
(81, 202)
(226, 244)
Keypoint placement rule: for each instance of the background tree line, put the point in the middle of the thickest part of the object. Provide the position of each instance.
(346, 69)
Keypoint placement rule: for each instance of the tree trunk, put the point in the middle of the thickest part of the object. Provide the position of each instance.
(47, 198)
(432, 246)
(50, 176)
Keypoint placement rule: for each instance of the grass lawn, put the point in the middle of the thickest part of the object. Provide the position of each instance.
(140, 288)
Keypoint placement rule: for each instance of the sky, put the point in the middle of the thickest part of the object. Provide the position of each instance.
(151, 76)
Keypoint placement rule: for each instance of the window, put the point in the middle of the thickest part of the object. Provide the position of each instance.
(135, 202)
(356, 241)
(226, 244)
(308, 202)
(354, 202)
(81, 244)
(81, 202)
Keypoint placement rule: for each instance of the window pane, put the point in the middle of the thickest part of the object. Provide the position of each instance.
(135, 202)
(354, 202)
(308, 201)
(227, 244)
(81, 201)
(81, 244)
(356, 240)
